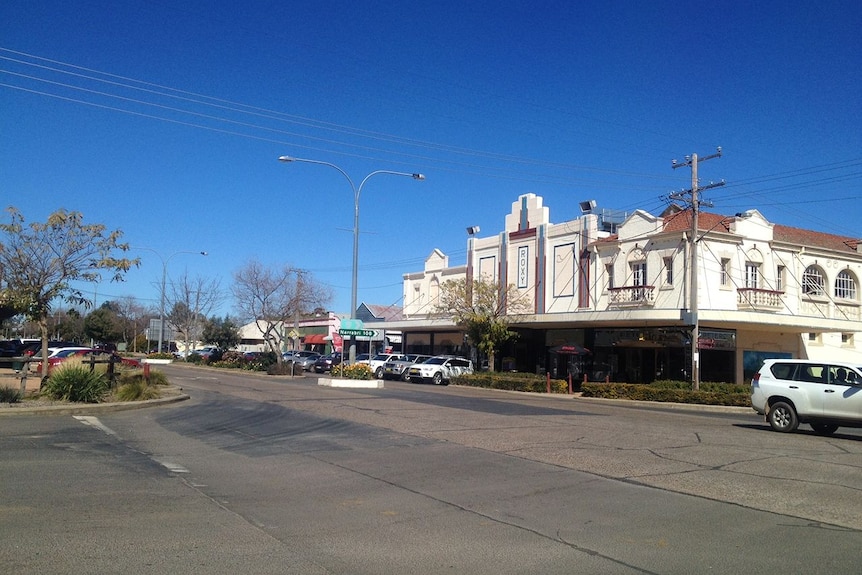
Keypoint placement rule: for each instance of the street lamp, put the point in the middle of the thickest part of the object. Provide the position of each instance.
(356, 192)
(164, 282)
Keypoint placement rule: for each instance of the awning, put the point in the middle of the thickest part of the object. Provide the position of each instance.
(314, 339)
(570, 349)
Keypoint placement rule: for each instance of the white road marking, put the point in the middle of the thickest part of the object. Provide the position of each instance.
(94, 422)
(170, 466)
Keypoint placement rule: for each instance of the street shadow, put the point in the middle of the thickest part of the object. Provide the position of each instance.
(802, 430)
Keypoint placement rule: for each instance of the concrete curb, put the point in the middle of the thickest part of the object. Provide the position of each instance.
(89, 408)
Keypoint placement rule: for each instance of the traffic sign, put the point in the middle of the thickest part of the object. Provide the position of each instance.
(357, 332)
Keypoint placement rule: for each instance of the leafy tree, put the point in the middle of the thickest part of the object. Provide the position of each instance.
(70, 326)
(273, 298)
(223, 332)
(483, 310)
(103, 325)
(43, 263)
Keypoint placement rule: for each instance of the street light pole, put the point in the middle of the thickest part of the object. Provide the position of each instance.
(164, 286)
(356, 193)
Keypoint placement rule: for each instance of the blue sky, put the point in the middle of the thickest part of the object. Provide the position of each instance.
(166, 119)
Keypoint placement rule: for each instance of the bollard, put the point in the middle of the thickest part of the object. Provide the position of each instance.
(548, 375)
(570, 384)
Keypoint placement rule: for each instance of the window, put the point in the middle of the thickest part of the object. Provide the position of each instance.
(639, 274)
(845, 286)
(812, 281)
(668, 271)
(780, 271)
(847, 339)
(609, 271)
(724, 278)
(639, 279)
(752, 275)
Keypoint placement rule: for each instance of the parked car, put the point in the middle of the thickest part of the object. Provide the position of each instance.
(304, 359)
(397, 368)
(376, 362)
(209, 352)
(439, 369)
(84, 354)
(324, 363)
(34, 348)
(825, 395)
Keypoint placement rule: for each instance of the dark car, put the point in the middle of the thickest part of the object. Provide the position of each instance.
(324, 363)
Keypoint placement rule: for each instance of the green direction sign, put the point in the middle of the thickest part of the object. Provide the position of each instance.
(357, 332)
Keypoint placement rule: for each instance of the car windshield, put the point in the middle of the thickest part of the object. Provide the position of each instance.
(436, 360)
(381, 357)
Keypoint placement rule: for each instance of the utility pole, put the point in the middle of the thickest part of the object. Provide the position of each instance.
(692, 241)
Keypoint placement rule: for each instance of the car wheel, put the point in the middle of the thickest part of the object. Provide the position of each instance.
(824, 428)
(379, 373)
(438, 378)
(782, 417)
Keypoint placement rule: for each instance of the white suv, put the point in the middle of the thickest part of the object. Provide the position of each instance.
(439, 369)
(825, 395)
(376, 362)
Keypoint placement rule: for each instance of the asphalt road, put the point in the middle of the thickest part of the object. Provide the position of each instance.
(279, 475)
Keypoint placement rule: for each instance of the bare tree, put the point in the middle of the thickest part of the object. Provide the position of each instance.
(133, 319)
(273, 298)
(191, 300)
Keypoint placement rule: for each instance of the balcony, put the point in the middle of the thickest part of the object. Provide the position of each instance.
(632, 296)
(759, 299)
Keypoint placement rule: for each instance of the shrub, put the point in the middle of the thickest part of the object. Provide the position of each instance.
(72, 381)
(10, 395)
(163, 355)
(355, 371)
(672, 391)
(512, 381)
(136, 390)
(156, 378)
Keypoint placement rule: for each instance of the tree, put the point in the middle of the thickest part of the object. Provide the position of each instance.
(102, 325)
(44, 263)
(483, 310)
(133, 318)
(70, 326)
(222, 332)
(274, 298)
(190, 301)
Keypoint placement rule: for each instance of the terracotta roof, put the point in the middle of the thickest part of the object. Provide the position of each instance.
(681, 220)
(816, 239)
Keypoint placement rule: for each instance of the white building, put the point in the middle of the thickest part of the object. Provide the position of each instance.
(622, 289)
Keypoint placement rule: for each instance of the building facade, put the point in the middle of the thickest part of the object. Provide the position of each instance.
(620, 292)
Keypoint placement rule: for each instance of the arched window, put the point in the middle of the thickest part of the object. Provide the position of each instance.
(812, 281)
(845, 285)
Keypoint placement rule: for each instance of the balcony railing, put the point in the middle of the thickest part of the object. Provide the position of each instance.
(632, 295)
(761, 299)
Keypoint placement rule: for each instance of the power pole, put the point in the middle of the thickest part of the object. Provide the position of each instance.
(692, 241)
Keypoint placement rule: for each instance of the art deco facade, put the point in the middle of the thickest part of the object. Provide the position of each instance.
(622, 289)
